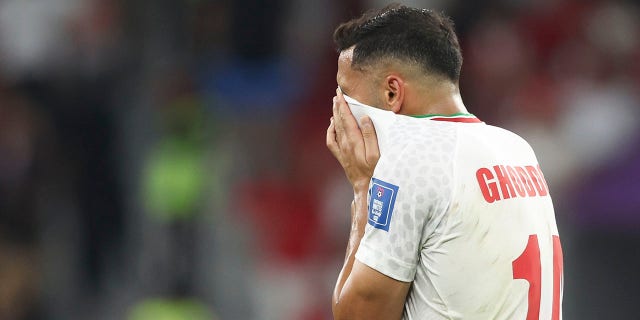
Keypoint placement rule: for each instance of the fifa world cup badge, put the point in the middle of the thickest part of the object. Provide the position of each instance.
(383, 197)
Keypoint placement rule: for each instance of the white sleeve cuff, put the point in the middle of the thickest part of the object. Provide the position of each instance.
(386, 264)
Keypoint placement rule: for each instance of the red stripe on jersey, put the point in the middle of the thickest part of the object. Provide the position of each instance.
(464, 120)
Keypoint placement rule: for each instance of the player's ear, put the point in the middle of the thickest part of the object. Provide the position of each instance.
(394, 93)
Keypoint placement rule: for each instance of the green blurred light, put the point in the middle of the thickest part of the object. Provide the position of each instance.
(164, 309)
(174, 180)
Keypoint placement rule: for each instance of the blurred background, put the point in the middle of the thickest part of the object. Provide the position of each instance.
(166, 159)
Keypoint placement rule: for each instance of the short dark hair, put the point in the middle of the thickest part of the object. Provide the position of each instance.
(421, 36)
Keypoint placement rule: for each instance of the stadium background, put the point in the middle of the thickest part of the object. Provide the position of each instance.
(166, 160)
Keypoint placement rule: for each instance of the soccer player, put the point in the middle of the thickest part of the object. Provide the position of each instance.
(451, 217)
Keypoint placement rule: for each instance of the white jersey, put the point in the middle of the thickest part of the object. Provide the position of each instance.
(461, 209)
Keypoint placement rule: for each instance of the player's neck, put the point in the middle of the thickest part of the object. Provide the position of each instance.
(442, 99)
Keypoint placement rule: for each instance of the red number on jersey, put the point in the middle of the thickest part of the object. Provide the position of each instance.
(528, 267)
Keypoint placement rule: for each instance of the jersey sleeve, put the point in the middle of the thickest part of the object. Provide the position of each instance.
(404, 195)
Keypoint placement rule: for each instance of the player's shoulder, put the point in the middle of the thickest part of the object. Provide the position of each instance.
(491, 141)
(492, 133)
(504, 132)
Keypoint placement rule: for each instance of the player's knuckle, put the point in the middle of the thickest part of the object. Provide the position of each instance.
(330, 144)
(352, 143)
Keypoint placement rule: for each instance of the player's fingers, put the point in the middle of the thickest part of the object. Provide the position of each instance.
(332, 143)
(342, 136)
(348, 133)
(372, 151)
(345, 117)
(336, 118)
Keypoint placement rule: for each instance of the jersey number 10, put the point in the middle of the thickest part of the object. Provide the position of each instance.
(528, 267)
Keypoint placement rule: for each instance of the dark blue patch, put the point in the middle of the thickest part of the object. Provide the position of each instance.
(381, 201)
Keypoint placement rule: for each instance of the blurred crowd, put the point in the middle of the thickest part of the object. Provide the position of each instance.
(166, 159)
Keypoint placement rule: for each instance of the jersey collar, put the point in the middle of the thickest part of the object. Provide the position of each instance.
(456, 117)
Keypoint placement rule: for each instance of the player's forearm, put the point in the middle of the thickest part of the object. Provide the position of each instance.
(358, 224)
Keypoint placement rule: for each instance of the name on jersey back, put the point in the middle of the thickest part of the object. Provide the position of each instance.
(502, 182)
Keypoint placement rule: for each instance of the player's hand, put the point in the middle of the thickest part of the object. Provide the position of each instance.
(355, 148)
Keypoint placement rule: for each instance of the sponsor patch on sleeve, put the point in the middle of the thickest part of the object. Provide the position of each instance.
(383, 197)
